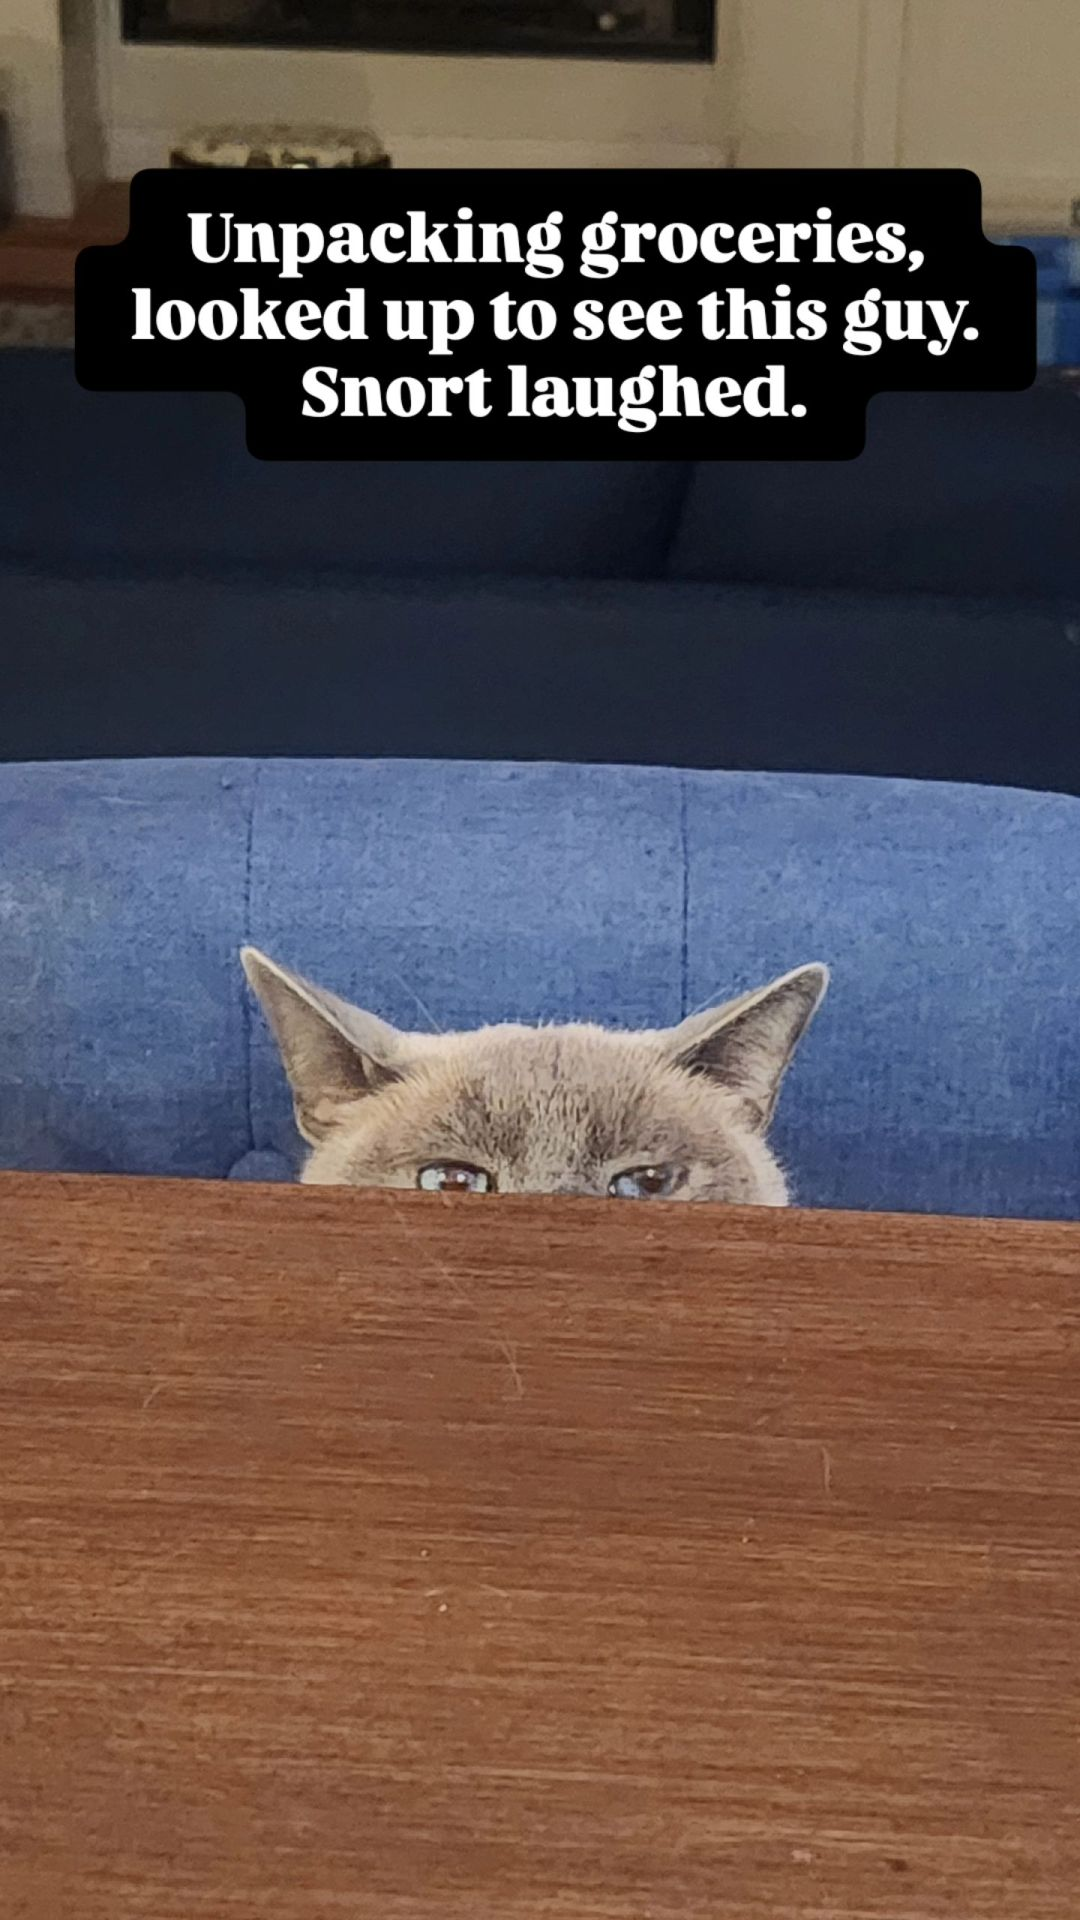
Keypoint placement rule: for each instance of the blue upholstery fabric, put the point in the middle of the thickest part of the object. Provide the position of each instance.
(122, 1033)
(943, 1073)
(669, 674)
(78, 495)
(955, 493)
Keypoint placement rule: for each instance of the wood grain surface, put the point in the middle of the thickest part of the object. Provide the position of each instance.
(382, 1557)
(37, 257)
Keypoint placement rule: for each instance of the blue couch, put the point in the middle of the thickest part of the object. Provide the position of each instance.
(913, 613)
(942, 1074)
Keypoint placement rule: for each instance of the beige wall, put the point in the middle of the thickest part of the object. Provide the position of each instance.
(81, 70)
(49, 90)
(996, 87)
(430, 111)
(32, 93)
(987, 84)
(781, 92)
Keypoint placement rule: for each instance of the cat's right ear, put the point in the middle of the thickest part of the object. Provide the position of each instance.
(333, 1053)
(746, 1045)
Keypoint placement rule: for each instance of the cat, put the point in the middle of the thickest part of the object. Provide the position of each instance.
(681, 1113)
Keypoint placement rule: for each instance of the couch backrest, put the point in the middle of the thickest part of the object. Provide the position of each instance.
(954, 493)
(132, 482)
(975, 494)
(942, 1073)
(644, 671)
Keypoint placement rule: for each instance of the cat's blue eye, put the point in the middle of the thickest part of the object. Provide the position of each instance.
(453, 1176)
(647, 1183)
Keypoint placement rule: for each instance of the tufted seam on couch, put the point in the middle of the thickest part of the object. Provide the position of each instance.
(673, 526)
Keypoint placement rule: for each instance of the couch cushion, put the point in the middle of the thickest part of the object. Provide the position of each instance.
(123, 1029)
(950, 1035)
(687, 675)
(965, 493)
(940, 1075)
(136, 481)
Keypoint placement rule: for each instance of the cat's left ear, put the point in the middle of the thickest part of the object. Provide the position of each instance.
(746, 1045)
(333, 1053)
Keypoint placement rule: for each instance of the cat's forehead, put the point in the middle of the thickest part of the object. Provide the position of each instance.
(551, 1102)
(554, 1054)
(537, 1106)
(516, 1083)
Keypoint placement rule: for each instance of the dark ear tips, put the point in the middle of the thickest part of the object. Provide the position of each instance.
(746, 1046)
(333, 1053)
(818, 977)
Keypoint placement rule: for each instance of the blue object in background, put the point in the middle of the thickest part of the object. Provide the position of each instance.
(942, 1075)
(1057, 265)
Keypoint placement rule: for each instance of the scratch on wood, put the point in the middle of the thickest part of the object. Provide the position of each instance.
(505, 1346)
(509, 1352)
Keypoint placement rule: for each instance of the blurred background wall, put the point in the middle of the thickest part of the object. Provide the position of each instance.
(795, 83)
